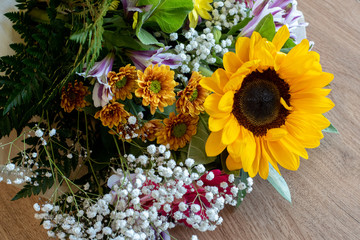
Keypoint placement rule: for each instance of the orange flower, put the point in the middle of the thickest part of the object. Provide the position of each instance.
(156, 87)
(191, 99)
(74, 97)
(178, 130)
(112, 114)
(123, 83)
(149, 129)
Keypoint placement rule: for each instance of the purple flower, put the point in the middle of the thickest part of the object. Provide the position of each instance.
(284, 13)
(130, 6)
(142, 59)
(102, 92)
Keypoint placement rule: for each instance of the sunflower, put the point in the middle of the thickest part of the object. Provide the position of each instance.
(178, 130)
(267, 106)
(191, 99)
(112, 114)
(74, 96)
(156, 87)
(201, 8)
(149, 129)
(123, 83)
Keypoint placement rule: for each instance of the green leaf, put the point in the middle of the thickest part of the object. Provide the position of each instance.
(168, 14)
(197, 143)
(146, 38)
(266, 27)
(331, 129)
(238, 26)
(279, 183)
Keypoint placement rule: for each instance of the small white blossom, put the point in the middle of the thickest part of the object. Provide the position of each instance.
(52, 132)
(39, 133)
(132, 120)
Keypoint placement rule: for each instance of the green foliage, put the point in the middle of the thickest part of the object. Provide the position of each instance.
(279, 183)
(238, 26)
(34, 68)
(331, 129)
(163, 10)
(160, 13)
(196, 149)
(266, 27)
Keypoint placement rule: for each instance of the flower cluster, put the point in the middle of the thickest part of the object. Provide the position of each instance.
(140, 204)
(176, 107)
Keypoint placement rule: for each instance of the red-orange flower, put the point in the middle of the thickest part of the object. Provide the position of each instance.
(74, 96)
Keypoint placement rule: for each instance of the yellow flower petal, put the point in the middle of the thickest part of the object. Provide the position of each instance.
(211, 106)
(281, 37)
(231, 131)
(214, 146)
(294, 146)
(227, 101)
(313, 104)
(233, 165)
(217, 124)
(284, 104)
(275, 134)
(283, 156)
(242, 48)
(231, 62)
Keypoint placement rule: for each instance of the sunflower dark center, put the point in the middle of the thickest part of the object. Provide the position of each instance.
(179, 130)
(257, 104)
(121, 83)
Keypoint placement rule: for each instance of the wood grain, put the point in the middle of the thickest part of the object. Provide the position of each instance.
(326, 188)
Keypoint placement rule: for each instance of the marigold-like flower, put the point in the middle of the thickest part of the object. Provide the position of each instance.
(112, 114)
(201, 8)
(177, 131)
(149, 129)
(156, 87)
(191, 99)
(123, 83)
(267, 106)
(74, 96)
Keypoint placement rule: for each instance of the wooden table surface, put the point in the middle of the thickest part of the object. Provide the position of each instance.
(326, 188)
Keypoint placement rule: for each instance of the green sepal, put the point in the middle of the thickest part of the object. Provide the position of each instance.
(279, 183)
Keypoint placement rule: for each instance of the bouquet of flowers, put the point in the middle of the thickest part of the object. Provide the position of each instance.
(135, 116)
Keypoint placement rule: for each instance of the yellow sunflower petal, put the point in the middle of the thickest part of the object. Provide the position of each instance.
(227, 101)
(281, 37)
(275, 134)
(211, 106)
(254, 169)
(231, 131)
(249, 149)
(233, 165)
(294, 146)
(266, 155)
(211, 85)
(283, 156)
(231, 62)
(217, 124)
(255, 38)
(214, 146)
(313, 104)
(242, 48)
